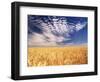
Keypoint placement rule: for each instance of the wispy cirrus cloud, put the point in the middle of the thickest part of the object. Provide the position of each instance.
(51, 31)
(79, 25)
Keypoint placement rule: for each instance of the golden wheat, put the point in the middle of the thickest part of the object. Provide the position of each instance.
(48, 56)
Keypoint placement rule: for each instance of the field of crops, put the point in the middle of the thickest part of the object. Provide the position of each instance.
(52, 56)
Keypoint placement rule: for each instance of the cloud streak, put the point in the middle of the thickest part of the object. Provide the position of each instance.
(54, 30)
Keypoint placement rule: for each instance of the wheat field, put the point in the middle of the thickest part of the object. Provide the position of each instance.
(52, 56)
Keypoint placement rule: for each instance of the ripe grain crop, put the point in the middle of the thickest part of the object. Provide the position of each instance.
(52, 56)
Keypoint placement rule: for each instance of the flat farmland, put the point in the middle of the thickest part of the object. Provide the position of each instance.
(52, 56)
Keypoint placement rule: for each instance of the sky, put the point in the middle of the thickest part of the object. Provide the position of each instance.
(56, 30)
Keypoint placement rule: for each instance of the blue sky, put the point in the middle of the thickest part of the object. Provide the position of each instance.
(57, 30)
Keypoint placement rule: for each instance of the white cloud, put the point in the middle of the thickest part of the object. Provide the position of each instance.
(80, 26)
(48, 38)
